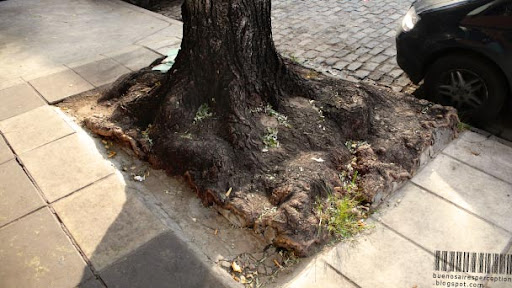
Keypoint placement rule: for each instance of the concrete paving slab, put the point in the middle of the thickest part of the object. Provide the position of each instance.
(484, 153)
(60, 32)
(382, 259)
(319, 274)
(4, 83)
(44, 72)
(18, 194)
(107, 221)
(436, 224)
(164, 46)
(101, 72)
(5, 151)
(93, 283)
(34, 128)
(162, 261)
(135, 57)
(35, 252)
(56, 87)
(469, 188)
(18, 99)
(66, 165)
(174, 31)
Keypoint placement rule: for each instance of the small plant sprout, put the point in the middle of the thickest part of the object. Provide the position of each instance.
(281, 119)
(145, 135)
(461, 126)
(202, 113)
(270, 138)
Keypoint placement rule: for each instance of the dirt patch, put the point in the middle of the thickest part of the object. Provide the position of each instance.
(350, 139)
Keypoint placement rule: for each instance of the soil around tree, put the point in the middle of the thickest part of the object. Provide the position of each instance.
(300, 152)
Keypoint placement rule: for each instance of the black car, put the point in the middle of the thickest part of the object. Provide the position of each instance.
(462, 49)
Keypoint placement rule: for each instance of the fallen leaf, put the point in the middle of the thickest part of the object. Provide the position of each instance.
(236, 267)
(229, 191)
(111, 154)
(243, 280)
(216, 232)
(318, 159)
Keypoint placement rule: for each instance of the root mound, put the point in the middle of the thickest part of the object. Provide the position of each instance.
(267, 165)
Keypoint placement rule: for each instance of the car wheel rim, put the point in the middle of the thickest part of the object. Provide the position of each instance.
(463, 89)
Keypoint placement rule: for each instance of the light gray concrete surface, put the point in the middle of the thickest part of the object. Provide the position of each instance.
(461, 201)
(63, 166)
(19, 196)
(18, 99)
(42, 35)
(60, 85)
(34, 128)
(123, 217)
(39, 254)
(5, 151)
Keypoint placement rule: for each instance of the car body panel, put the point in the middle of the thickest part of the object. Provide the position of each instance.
(477, 27)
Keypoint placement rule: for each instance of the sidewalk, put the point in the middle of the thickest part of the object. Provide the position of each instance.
(70, 217)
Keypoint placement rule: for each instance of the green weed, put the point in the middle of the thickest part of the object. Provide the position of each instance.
(202, 113)
(270, 138)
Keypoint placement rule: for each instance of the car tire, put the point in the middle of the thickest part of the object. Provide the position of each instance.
(478, 97)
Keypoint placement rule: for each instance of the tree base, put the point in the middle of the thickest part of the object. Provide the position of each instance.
(291, 159)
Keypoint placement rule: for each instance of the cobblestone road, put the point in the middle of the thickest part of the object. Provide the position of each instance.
(352, 39)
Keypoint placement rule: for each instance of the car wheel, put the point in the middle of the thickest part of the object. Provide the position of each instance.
(470, 84)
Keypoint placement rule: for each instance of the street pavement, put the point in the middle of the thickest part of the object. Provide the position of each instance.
(68, 218)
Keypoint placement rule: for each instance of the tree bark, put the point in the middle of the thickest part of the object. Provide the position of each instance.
(227, 61)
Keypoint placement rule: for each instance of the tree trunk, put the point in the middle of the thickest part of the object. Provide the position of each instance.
(215, 117)
(227, 62)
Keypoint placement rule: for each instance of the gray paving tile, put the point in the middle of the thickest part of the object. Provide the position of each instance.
(173, 31)
(6, 83)
(34, 128)
(5, 151)
(162, 261)
(382, 259)
(436, 224)
(469, 188)
(135, 58)
(60, 85)
(319, 274)
(41, 42)
(18, 99)
(63, 166)
(19, 196)
(101, 72)
(107, 220)
(92, 283)
(35, 252)
(483, 153)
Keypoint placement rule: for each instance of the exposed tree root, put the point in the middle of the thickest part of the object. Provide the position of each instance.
(323, 137)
